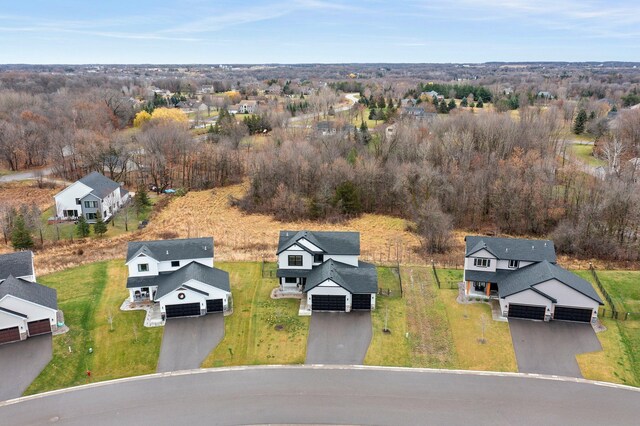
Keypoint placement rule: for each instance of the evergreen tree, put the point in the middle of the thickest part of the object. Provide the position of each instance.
(381, 103)
(435, 101)
(452, 104)
(348, 199)
(100, 227)
(141, 199)
(480, 104)
(464, 103)
(390, 103)
(581, 120)
(82, 228)
(20, 235)
(373, 114)
(443, 108)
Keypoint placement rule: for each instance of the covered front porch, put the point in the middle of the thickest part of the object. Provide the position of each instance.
(481, 289)
(142, 294)
(291, 281)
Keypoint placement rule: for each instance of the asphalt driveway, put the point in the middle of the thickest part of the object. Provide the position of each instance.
(21, 362)
(338, 337)
(551, 347)
(186, 342)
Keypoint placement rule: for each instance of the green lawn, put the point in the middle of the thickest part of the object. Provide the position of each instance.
(585, 154)
(449, 278)
(623, 287)
(260, 330)
(87, 295)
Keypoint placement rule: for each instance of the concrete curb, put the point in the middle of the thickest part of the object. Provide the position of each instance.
(322, 367)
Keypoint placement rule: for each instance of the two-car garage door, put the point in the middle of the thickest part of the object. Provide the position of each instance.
(562, 313)
(322, 302)
(192, 309)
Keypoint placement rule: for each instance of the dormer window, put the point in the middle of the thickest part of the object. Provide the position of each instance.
(513, 264)
(482, 263)
(318, 258)
(175, 263)
(143, 267)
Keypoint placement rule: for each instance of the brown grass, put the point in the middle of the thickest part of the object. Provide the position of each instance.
(15, 194)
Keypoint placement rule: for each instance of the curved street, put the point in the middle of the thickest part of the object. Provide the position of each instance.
(331, 395)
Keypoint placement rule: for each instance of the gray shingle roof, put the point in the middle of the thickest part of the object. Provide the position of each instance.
(163, 250)
(168, 282)
(100, 185)
(360, 279)
(512, 248)
(18, 264)
(338, 243)
(26, 290)
(527, 277)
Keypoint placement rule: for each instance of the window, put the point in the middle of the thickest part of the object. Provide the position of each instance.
(290, 280)
(90, 216)
(479, 286)
(318, 258)
(482, 263)
(78, 201)
(91, 204)
(295, 260)
(175, 263)
(143, 267)
(513, 264)
(181, 296)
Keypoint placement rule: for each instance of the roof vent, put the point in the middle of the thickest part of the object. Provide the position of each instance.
(507, 249)
(205, 248)
(533, 247)
(545, 243)
(167, 252)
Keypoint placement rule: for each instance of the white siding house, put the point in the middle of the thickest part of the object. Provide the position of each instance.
(92, 194)
(323, 267)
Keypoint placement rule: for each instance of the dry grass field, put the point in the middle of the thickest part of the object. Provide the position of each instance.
(15, 194)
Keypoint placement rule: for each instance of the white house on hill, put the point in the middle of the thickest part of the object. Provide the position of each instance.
(87, 196)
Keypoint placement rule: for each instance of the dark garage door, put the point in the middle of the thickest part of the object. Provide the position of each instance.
(9, 335)
(566, 313)
(186, 310)
(526, 311)
(39, 327)
(361, 302)
(214, 305)
(321, 302)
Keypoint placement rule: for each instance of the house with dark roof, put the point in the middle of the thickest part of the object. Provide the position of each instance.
(87, 196)
(179, 276)
(324, 267)
(26, 307)
(524, 276)
(18, 264)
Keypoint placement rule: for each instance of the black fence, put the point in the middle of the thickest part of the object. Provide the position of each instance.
(269, 269)
(615, 310)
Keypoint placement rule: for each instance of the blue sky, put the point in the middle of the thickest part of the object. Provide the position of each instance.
(302, 31)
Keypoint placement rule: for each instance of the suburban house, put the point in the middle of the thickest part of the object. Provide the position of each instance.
(247, 107)
(26, 307)
(523, 275)
(324, 268)
(87, 196)
(179, 276)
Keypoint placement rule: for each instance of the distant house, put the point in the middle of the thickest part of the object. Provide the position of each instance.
(87, 196)
(26, 307)
(247, 107)
(545, 95)
(523, 275)
(325, 128)
(432, 94)
(408, 102)
(179, 276)
(324, 268)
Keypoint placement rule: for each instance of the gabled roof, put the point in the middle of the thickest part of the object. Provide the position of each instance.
(213, 277)
(355, 279)
(100, 185)
(180, 249)
(338, 243)
(18, 264)
(537, 273)
(32, 292)
(512, 248)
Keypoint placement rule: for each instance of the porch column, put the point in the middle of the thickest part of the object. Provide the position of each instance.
(488, 289)
(468, 286)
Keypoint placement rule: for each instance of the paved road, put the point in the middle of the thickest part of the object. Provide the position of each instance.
(20, 364)
(31, 174)
(551, 347)
(338, 337)
(186, 342)
(331, 395)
